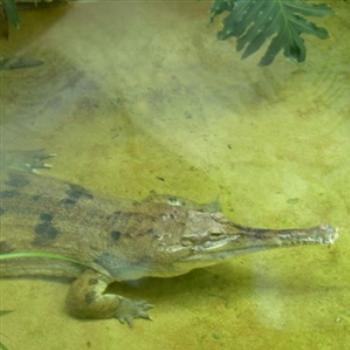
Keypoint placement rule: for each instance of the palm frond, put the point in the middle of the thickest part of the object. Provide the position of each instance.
(253, 22)
(10, 11)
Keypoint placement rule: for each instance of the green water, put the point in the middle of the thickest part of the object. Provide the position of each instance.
(139, 96)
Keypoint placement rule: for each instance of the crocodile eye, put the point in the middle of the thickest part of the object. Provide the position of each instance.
(216, 235)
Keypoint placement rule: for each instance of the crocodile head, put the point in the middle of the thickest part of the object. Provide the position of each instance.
(210, 238)
(168, 239)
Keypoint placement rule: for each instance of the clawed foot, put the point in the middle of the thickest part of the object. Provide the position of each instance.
(128, 310)
(32, 161)
(37, 160)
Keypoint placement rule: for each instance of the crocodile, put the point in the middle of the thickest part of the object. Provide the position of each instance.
(57, 228)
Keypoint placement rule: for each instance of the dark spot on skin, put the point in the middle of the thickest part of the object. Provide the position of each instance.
(90, 297)
(6, 247)
(45, 230)
(47, 217)
(2, 211)
(93, 281)
(35, 197)
(229, 146)
(8, 194)
(75, 193)
(17, 180)
(116, 235)
(160, 178)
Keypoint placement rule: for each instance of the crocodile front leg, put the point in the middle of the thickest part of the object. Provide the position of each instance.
(29, 161)
(87, 299)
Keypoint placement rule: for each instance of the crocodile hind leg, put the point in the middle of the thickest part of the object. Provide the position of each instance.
(87, 299)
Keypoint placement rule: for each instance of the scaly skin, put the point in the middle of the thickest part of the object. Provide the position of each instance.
(116, 240)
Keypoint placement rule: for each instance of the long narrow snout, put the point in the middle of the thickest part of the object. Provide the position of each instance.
(266, 238)
(239, 240)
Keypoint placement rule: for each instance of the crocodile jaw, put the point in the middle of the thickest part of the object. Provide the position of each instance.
(246, 240)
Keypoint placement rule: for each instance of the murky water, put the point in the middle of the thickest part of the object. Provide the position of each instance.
(139, 96)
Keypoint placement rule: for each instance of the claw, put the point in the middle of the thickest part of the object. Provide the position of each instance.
(129, 322)
(129, 310)
(145, 316)
(36, 160)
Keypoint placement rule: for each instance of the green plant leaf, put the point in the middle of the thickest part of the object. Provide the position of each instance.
(219, 6)
(253, 22)
(10, 11)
